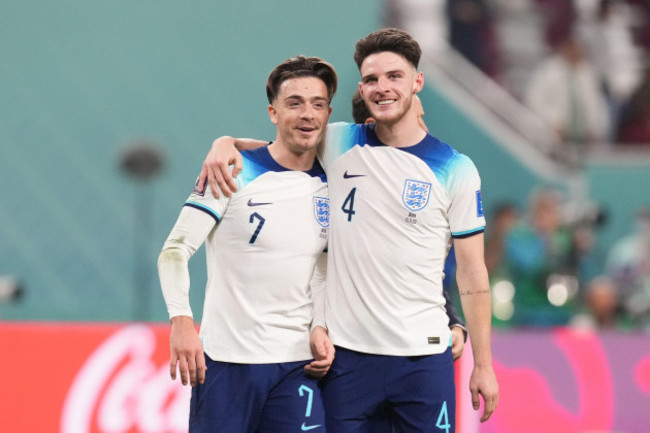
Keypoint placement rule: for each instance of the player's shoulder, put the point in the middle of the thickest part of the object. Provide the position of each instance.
(341, 126)
(350, 131)
(256, 162)
(259, 156)
(435, 152)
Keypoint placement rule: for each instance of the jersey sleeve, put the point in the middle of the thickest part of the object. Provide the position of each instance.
(205, 201)
(466, 207)
(187, 235)
(340, 137)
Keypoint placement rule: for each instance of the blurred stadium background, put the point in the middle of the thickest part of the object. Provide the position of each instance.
(86, 82)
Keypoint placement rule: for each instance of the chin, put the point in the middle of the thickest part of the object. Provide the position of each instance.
(307, 146)
(391, 116)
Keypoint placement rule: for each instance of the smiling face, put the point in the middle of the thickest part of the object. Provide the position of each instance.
(388, 84)
(300, 111)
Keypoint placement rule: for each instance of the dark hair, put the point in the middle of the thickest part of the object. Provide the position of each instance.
(360, 112)
(390, 39)
(301, 66)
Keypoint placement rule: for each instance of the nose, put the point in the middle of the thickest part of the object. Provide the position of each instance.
(307, 112)
(382, 83)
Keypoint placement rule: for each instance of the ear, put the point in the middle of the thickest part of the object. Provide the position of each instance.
(360, 88)
(418, 83)
(273, 115)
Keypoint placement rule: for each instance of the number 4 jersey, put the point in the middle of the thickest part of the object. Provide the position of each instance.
(393, 212)
(261, 247)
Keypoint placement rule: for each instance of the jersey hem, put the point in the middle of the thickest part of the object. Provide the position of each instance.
(391, 351)
(247, 359)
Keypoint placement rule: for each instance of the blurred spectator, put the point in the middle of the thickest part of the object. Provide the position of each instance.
(605, 27)
(504, 219)
(538, 265)
(642, 32)
(628, 264)
(583, 257)
(565, 92)
(519, 27)
(634, 122)
(471, 32)
(601, 307)
(559, 17)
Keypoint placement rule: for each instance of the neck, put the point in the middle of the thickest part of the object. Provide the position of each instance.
(403, 133)
(299, 161)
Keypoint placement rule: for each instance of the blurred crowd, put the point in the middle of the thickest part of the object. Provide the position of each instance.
(580, 65)
(583, 66)
(547, 270)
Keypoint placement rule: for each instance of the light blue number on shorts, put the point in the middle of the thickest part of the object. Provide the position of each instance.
(443, 418)
(310, 397)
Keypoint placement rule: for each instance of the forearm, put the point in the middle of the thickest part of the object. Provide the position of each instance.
(239, 143)
(175, 280)
(188, 234)
(474, 289)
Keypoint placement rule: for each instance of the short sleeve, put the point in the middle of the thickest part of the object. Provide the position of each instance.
(466, 216)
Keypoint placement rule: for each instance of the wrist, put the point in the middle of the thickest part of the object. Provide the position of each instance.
(181, 321)
(225, 140)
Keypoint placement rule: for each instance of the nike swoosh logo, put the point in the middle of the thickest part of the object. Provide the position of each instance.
(304, 427)
(251, 203)
(348, 176)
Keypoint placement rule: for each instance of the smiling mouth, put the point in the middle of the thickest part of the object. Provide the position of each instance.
(386, 101)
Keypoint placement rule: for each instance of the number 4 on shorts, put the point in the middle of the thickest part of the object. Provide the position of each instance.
(443, 419)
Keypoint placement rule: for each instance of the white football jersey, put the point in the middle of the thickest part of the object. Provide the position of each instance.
(393, 213)
(261, 255)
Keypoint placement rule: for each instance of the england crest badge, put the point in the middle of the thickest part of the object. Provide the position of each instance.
(322, 211)
(416, 194)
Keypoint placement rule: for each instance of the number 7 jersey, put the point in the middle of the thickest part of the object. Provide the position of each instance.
(261, 250)
(393, 212)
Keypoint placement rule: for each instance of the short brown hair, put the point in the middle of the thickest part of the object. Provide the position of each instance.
(389, 39)
(301, 66)
(360, 112)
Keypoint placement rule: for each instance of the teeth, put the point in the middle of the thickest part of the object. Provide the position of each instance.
(385, 102)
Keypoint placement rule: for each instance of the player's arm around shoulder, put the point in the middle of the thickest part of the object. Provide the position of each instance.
(474, 288)
(224, 153)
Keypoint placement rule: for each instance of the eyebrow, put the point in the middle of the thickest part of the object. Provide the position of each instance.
(394, 71)
(324, 98)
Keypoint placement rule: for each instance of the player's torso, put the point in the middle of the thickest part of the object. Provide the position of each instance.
(391, 202)
(388, 241)
(278, 215)
(261, 258)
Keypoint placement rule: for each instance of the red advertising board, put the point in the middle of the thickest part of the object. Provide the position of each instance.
(89, 379)
(114, 378)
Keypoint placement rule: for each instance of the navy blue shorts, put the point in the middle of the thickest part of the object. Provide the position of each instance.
(252, 398)
(366, 393)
